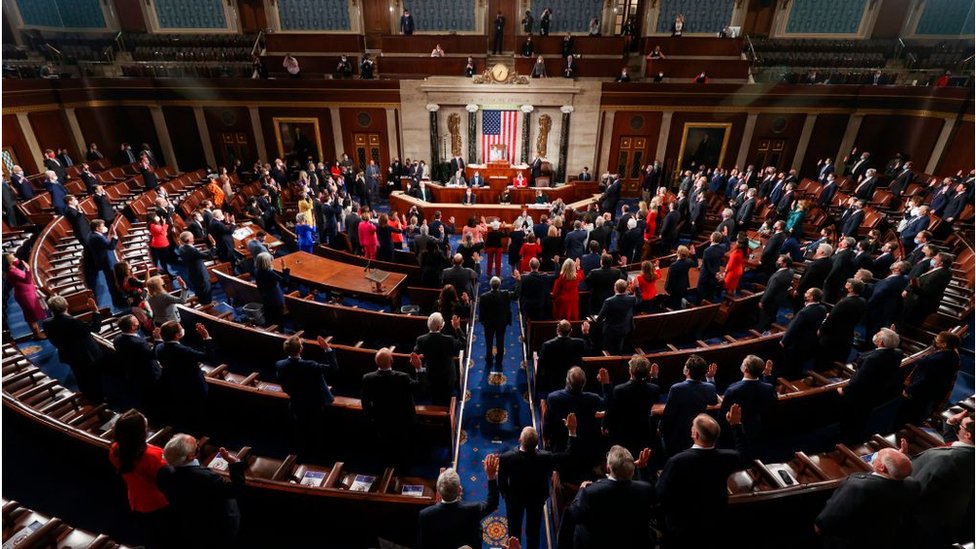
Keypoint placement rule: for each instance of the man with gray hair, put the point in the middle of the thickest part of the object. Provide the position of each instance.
(203, 503)
(615, 511)
(495, 315)
(872, 509)
(76, 346)
(196, 270)
(452, 523)
(437, 351)
(876, 380)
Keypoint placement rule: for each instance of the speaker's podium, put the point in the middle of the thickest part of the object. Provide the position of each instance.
(499, 171)
(377, 277)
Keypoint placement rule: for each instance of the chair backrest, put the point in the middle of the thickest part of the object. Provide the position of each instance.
(542, 181)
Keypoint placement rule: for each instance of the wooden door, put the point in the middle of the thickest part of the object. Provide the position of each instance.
(234, 146)
(368, 146)
(376, 22)
(631, 156)
(759, 17)
(253, 18)
(769, 152)
(513, 24)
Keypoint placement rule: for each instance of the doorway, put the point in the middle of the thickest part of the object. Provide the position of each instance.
(631, 157)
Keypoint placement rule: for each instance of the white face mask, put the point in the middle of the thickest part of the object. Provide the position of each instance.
(914, 211)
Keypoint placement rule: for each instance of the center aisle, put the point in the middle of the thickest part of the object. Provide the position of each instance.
(496, 408)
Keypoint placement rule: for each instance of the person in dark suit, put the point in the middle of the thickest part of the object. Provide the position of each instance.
(841, 268)
(202, 502)
(615, 511)
(610, 197)
(837, 331)
(945, 473)
(827, 192)
(575, 241)
(678, 283)
(931, 381)
(753, 393)
(103, 205)
(535, 169)
(669, 227)
(534, 291)
(557, 356)
(469, 198)
(885, 301)
(88, 178)
(222, 231)
(925, 292)
(770, 253)
(776, 294)
(686, 400)
(406, 23)
(573, 399)
(694, 481)
(80, 226)
(25, 191)
(523, 480)
(76, 347)
(197, 274)
(743, 216)
(495, 315)
(601, 232)
(882, 264)
(616, 315)
(941, 196)
(52, 163)
(857, 165)
(628, 418)
(902, 179)
(875, 381)
(304, 381)
(713, 258)
(826, 169)
(865, 189)
(499, 32)
(956, 204)
(476, 180)
(872, 509)
(451, 523)
(914, 226)
(135, 360)
(101, 256)
(182, 382)
(57, 190)
(126, 154)
(851, 218)
(150, 181)
(462, 278)
(10, 215)
(388, 402)
(800, 341)
(601, 282)
(437, 351)
(817, 270)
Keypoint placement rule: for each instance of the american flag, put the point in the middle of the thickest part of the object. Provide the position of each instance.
(498, 127)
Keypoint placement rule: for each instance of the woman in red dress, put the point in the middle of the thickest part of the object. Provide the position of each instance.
(736, 266)
(565, 293)
(645, 284)
(519, 181)
(650, 225)
(530, 249)
(138, 463)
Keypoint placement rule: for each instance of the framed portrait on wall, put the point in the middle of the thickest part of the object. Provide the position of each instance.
(703, 143)
(298, 139)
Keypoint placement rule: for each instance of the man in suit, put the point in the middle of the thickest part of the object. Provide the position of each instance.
(406, 23)
(694, 482)
(837, 331)
(462, 278)
(753, 393)
(925, 292)
(388, 403)
(523, 480)
(851, 218)
(10, 215)
(135, 360)
(826, 169)
(197, 274)
(59, 193)
(857, 165)
(610, 197)
(557, 356)
(615, 511)
(945, 474)
(601, 282)
(575, 241)
(88, 178)
(65, 158)
(477, 180)
(917, 252)
(882, 264)
(222, 231)
(304, 381)
(585, 405)
(126, 154)
(628, 418)
(902, 179)
(617, 318)
(713, 258)
(743, 216)
(495, 315)
(535, 169)
(865, 189)
(182, 381)
(451, 523)
(101, 257)
(20, 183)
(421, 192)
(457, 164)
(534, 291)
(800, 340)
(941, 196)
(150, 181)
(727, 226)
(776, 294)
(773, 245)
(686, 400)
(601, 232)
(862, 256)
(202, 502)
(956, 204)
(841, 268)
(669, 227)
(351, 225)
(931, 381)
(146, 151)
(817, 270)
(76, 346)
(585, 175)
(499, 32)
(885, 301)
(52, 163)
(437, 351)
(677, 283)
(469, 198)
(876, 509)
(914, 226)
(827, 192)
(80, 226)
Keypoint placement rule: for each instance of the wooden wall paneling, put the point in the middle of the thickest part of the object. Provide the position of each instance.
(357, 120)
(104, 127)
(883, 136)
(185, 136)
(678, 121)
(827, 133)
(958, 154)
(891, 18)
(268, 114)
(252, 16)
(513, 24)
(13, 137)
(633, 124)
(376, 21)
(775, 128)
(139, 128)
(52, 131)
(231, 134)
(130, 15)
(759, 17)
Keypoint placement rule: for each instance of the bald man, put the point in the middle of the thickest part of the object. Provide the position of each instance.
(387, 399)
(523, 479)
(872, 509)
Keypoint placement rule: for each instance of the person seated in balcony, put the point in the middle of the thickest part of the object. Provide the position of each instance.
(569, 71)
(469, 68)
(437, 51)
(344, 67)
(291, 65)
(624, 77)
(528, 48)
(656, 53)
(678, 27)
(594, 27)
(539, 69)
(366, 67)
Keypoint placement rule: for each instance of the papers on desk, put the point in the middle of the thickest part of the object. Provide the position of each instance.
(218, 463)
(313, 478)
(362, 483)
(413, 490)
(241, 233)
(22, 534)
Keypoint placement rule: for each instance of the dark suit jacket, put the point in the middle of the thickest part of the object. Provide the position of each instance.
(451, 525)
(669, 228)
(534, 291)
(387, 398)
(926, 295)
(946, 477)
(686, 400)
(863, 260)
(756, 397)
(617, 314)
(815, 275)
(89, 180)
(523, 477)
(150, 181)
(600, 281)
(223, 235)
(602, 235)
(865, 189)
(744, 215)
(99, 248)
(461, 278)
(868, 510)
(841, 268)
(771, 251)
(136, 360)
(613, 513)
(801, 335)
(712, 260)
(885, 301)
(933, 377)
(563, 402)
(79, 224)
(439, 351)
(556, 357)
(913, 227)
(57, 167)
(197, 274)
(837, 329)
(851, 222)
(901, 182)
(104, 207)
(305, 383)
(23, 186)
(610, 198)
(882, 265)
(73, 339)
(955, 206)
(58, 194)
(677, 283)
(628, 416)
(182, 375)
(496, 308)
(777, 291)
(203, 503)
(827, 195)
(693, 485)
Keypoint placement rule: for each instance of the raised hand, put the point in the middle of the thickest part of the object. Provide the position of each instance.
(491, 466)
(417, 361)
(92, 305)
(603, 376)
(768, 370)
(734, 416)
(227, 456)
(324, 343)
(456, 322)
(655, 369)
(712, 370)
(570, 422)
(643, 459)
(586, 327)
(156, 334)
(202, 330)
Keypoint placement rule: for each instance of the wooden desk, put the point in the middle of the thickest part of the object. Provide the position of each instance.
(506, 213)
(240, 244)
(700, 46)
(690, 68)
(498, 175)
(330, 275)
(488, 196)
